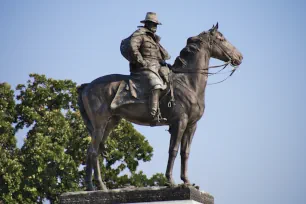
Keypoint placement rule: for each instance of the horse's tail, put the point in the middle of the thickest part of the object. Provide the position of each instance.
(82, 109)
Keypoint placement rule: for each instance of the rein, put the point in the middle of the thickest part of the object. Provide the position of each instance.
(205, 70)
(202, 71)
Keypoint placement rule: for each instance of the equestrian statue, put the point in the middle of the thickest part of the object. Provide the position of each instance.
(154, 94)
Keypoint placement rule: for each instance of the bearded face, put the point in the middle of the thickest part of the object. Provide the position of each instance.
(151, 26)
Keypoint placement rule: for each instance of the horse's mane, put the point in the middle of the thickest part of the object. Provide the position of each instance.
(188, 51)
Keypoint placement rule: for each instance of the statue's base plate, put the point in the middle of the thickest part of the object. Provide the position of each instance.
(150, 195)
(171, 202)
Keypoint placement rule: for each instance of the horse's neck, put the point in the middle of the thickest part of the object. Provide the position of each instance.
(197, 81)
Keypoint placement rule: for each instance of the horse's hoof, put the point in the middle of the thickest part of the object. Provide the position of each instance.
(183, 185)
(187, 183)
(170, 183)
(90, 187)
(102, 187)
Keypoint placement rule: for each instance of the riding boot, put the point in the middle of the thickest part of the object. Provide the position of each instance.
(154, 106)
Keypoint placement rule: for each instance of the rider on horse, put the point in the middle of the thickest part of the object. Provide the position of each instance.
(148, 59)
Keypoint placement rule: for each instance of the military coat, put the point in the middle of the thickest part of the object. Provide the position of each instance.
(147, 56)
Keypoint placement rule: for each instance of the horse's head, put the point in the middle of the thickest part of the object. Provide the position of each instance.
(200, 48)
(221, 48)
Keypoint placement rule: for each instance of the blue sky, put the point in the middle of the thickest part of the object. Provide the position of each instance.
(250, 145)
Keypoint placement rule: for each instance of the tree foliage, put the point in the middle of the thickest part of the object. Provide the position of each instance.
(52, 156)
(10, 167)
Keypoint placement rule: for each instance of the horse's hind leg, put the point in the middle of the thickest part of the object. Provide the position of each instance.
(88, 170)
(96, 139)
(185, 150)
(113, 122)
(99, 116)
(97, 174)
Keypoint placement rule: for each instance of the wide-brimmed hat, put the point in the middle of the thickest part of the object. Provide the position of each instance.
(151, 16)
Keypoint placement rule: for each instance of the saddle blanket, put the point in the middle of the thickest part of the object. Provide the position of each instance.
(129, 92)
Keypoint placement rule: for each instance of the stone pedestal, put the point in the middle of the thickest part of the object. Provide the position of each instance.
(150, 195)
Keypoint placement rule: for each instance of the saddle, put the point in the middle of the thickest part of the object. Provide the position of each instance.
(127, 93)
(132, 91)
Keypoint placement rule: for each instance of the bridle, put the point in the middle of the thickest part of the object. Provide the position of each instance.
(225, 65)
(210, 42)
(204, 71)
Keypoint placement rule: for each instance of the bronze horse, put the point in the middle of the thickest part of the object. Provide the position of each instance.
(189, 74)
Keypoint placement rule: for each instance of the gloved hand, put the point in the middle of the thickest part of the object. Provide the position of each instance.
(164, 63)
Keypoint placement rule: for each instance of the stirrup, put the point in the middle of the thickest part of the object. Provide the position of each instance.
(157, 118)
(160, 118)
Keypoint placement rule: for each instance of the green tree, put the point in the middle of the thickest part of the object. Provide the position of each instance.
(56, 142)
(126, 147)
(10, 167)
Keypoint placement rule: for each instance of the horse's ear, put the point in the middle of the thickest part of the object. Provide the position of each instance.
(214, 28)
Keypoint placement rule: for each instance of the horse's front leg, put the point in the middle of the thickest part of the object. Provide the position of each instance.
(177, 131)
(185, 150)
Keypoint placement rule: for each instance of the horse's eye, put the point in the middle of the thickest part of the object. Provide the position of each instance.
(220, 37)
